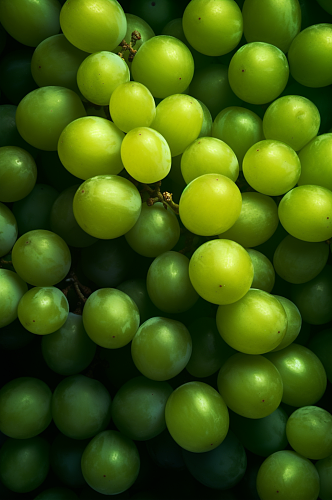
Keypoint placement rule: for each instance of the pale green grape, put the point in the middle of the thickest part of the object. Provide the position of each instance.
(206, 130)
(238, 127)
(164, 65)
(8, 230)
(146, 155)
(299, 261)
(210, 204)
(208, 155)
(292, 119)
(264, 275)
(306, 213)
(309, 56)
(324, 469)
(98, 200)
(258, 72)
(213, 28)
(30, 22)
(161, 348)
(179, 119)
(156, 231)
(25, 407)
(18, 173)
(271, 167)
(197, 417)
(257, 222)
(316, 159)
(41, 258)
(294, 322)
(93, 27)
(42, 115)
(221, 271)
(168, 283)
(100, 74)
(132, 105)
(12, 290)
(91, 146)
(255, 324)
(250, 385)
(43, 310)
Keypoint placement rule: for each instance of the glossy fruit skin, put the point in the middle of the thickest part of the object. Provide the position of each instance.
(12, 290)
(18, 173)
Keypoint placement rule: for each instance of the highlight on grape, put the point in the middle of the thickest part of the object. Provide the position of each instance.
(165, 249)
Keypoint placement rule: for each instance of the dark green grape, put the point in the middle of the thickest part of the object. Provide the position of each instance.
(136, 289)
(8, 230)
(18, 173)
(57, 494)
(55, 173)
(12, 290)
(165, 452)
(65, 458)
(324, 468)
(321, 345)
(15, 336)
(157, 14)
(118, 365)
(16, 78)
(9, 135)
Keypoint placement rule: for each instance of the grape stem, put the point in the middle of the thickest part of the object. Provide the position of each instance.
(135, 36)
(82, 291)
(156, 195)
(5, 262)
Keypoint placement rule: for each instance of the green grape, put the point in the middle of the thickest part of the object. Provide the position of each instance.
(43, 310)
(316, 159)
(156, 231)
(255, 324)
(324, 469)
(213, 28)
(42, 115)
(65, 458)
(110, 463)
(309, 56)
(25, 407)
(211, 86)
(179, 118)
(326, 6)
(197, 417)
(118, 365)
(257, 222)
(309, 432)
(138, 408)
(306, 213)
(55, 62)
(262, 436)
(206, 130)
(24, 463)
(110, 318)
(250, 385)
(81, 407)
(18, 173)
(221, 271)
(321, 345)
(146, 155)
(16, 77)
(157, 13)
(210, 351)
(91, 146)
(264, 275)
(161, 348)
(208, 155)
(30, 22)
(164, 65)
(12, 290)
(272, 22)
(112, 71)
(292, 119)
(54, 172)
(98, 200)
(258, 72)
(41, 258)
(68, 350)
(298, 261)
(303, 375)
(8, 230)
(286, 475)
(271, 167)
(57, 494)
(93, 27)
(63, 222)
(210, 204)
(9, 135)
(132, 105)
(240, 128)
(294, 322)
(137, 290)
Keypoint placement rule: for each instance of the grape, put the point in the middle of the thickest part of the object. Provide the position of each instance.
(320, 345)
(294, 322)
(41, 258)
(18, 173)
(65, 457)
(137, 290)
(54, 172)
(157, 13)
(165, 452)
(250, 385)
(25, 407)
(264, 275)
(110, 318)
(323, 468)
(93, 27)
(8, 230)
(315, 159)
(16, 79)
(91, 146)
(12, 290)
(326, 6)
(206, 130)
(161, 348)
(221, 271)
(258, 72)
(43, 310)
(197, 417)
(9, 135)
(97, 201)
(57, 494)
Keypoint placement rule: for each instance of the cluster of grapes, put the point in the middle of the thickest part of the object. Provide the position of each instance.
(155, 349)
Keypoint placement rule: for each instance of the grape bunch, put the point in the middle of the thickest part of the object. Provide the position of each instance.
(165, 262)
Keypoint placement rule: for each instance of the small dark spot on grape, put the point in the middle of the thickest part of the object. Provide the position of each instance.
(39, 67)
(180, 78)
(83, 191)
(153, 4)
(199, 142)
(33, 321)
(211, 444)
(277, 491)
(151, 394)
(217, 179)
(257, 149)
(278, 331)
(139, 134)
(199, 18)
(220, 286)
(113, 336)
(104, 475)
(243, 70)
(263, 400)
(327, 217)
